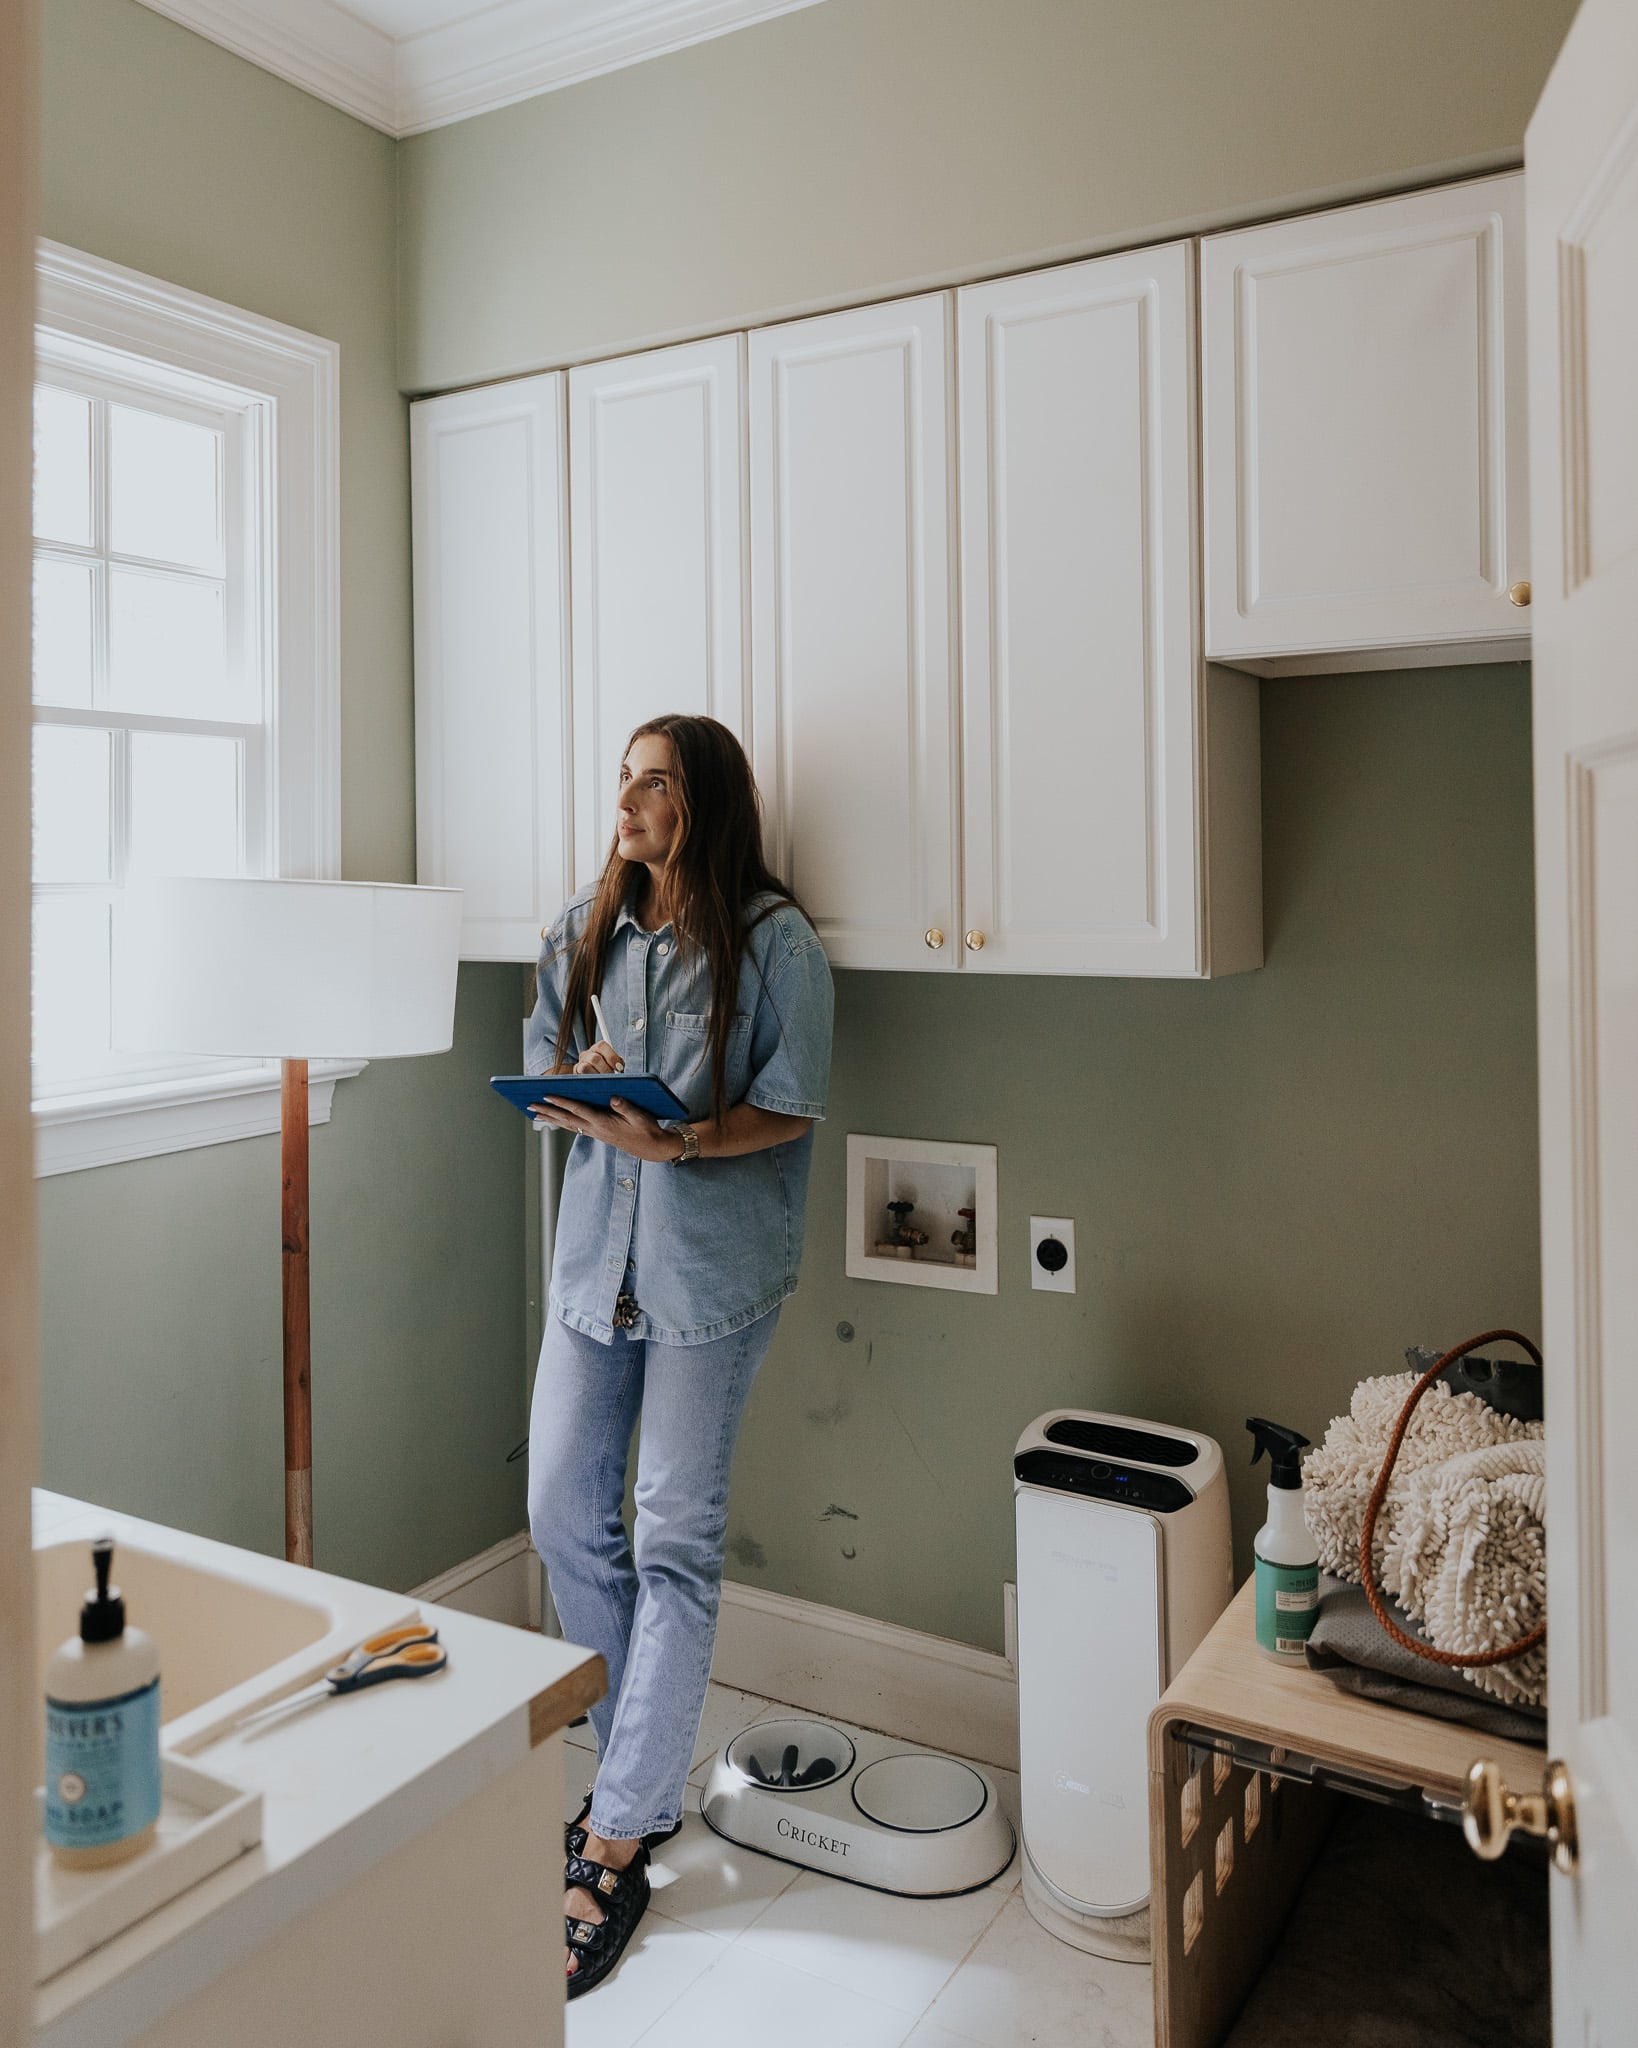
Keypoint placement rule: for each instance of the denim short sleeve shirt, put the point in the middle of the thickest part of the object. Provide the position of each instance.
(714, 1244)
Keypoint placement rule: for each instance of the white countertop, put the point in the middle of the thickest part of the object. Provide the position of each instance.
(345, 1781)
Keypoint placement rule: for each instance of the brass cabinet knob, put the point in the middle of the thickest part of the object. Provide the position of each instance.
(1519, 594)
(1490, 1813)
(975, 942)
(933, 939)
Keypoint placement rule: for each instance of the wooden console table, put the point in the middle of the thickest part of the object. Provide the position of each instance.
(1243, 1757)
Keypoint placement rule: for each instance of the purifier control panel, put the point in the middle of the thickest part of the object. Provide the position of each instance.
(1102, 1479)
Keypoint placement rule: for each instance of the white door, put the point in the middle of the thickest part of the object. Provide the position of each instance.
(656, 492)
(1081, 730)
(1365, 486)
(491, 659)
(1581, 157)
(850, 572)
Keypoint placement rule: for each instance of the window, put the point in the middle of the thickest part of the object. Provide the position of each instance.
(184, 665)
(153, 691)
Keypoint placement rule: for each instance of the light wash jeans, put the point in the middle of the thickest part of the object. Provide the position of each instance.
(653, 1616)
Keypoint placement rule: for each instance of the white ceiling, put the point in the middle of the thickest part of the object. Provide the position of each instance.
(407, 65)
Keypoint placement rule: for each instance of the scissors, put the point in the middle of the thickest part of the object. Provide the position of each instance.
(412, 1651)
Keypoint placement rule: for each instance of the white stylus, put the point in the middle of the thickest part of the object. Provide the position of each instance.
(603, 1028)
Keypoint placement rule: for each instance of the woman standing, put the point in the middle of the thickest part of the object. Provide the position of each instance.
(675, 1246)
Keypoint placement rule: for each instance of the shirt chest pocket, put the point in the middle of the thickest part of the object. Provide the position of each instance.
(686, 1066)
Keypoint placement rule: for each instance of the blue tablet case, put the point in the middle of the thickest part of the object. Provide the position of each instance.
(646, 1091)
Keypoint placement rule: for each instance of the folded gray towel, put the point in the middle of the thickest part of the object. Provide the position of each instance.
(1356, 1653)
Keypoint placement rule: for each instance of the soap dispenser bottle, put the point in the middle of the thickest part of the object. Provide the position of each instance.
(1286, 1556)
(102, 1775)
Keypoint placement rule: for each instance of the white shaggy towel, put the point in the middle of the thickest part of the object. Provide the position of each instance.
(1460, 1540)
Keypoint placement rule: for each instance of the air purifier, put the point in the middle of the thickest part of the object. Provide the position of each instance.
(1123, 1565)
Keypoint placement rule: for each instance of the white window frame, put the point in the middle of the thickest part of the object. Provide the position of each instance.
(86, 307)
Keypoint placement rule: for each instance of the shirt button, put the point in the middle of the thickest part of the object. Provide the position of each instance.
(663, 948)
(628, 1185)
(638, 1024)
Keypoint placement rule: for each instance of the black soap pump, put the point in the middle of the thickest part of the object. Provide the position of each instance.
(1285, 1554)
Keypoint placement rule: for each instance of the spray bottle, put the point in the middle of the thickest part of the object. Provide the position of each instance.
(1287, 1557)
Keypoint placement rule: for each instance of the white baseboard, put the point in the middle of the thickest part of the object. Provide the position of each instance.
(501, 1584)
(827, 1661)
(821, 1659)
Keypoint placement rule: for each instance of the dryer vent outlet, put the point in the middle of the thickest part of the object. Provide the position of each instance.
(1052, 1254)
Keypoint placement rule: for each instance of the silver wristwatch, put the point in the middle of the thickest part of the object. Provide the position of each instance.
(691, 1143)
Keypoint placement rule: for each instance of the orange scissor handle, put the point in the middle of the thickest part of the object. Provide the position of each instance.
(392, 1642)
(415, 1660)
(395, 1639)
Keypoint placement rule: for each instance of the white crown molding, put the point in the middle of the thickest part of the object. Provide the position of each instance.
(521, 48)
(492, 57)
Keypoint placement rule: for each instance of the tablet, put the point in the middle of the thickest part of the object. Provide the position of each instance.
(646, 1091)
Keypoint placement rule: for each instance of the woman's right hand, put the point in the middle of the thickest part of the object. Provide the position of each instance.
(601, 1059)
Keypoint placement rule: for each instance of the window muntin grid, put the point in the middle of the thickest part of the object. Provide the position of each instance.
(154, 688)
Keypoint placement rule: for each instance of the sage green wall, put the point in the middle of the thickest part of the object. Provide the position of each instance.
(160, 1279)
(167, 153)
(1278, 1180)
(160, 1380)
(859, 148)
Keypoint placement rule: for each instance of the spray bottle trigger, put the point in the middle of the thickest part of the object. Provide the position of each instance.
(1284, 1447)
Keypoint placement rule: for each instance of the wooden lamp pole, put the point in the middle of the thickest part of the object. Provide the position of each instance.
(298, 1406)
(249, 966)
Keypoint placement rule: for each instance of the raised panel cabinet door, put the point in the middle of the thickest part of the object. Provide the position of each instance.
(491, 658)
(1582, 149)
(1366, 490)
(1081, 730)
(850, 610)
(656, 492)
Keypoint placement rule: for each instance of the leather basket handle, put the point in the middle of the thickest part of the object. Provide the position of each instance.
(1473, 1659)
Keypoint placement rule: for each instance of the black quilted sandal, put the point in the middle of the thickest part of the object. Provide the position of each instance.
(598, 1945)
(574, 1831)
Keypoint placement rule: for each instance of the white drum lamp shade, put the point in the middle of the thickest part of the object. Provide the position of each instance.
(285, 970)
(293, 971)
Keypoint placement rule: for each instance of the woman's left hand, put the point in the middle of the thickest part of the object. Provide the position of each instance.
(623, 1125)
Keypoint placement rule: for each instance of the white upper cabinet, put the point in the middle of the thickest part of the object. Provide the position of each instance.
(656, 493)
(491, 659)
(1364, 451)
(1082, 733)
(854, 689)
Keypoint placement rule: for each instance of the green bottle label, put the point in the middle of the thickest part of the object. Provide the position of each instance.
(1287, 1606)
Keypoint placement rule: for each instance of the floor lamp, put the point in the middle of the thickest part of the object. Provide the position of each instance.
(293, 971)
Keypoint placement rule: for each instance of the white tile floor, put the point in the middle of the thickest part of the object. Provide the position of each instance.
(740, 1951)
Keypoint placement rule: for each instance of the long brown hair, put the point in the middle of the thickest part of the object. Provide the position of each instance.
(713, 872)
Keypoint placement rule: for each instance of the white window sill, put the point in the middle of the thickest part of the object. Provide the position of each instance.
(77, 1131)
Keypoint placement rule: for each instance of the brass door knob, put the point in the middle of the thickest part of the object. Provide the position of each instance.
(933, 939)
(975, 942)
(1490, 1813)
(1519, 594)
